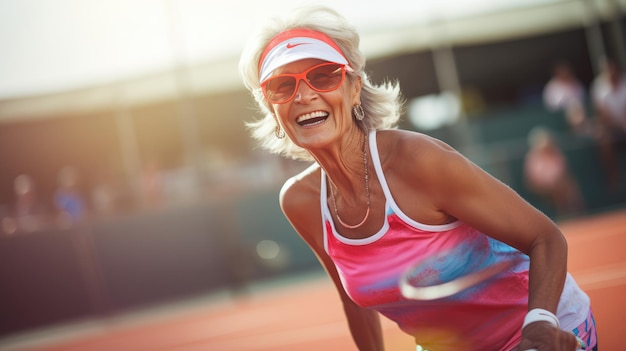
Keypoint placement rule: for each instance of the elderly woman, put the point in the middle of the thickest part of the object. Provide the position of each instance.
(376, 200)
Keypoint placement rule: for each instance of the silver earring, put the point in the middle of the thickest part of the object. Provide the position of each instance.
(358, 112)
(279, 132)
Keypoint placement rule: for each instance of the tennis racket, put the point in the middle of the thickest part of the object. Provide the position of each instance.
(411, 288)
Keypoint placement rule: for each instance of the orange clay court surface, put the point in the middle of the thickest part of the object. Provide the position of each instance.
(306, 315)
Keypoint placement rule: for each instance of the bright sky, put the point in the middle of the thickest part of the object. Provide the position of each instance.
(52, 45)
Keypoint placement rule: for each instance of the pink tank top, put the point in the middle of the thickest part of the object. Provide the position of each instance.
(485, 317)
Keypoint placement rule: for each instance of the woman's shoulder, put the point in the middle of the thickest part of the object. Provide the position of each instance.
(303, 189)
(410, 146)
(300, 202)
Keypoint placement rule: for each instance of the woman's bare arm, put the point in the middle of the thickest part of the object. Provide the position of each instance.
(458, 188)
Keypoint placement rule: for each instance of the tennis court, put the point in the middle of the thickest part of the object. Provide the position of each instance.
(305, 314)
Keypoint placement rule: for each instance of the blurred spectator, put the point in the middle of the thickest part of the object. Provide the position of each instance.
(564, 92)
(609, 97)
(546, 173)
(28, 214)
(26, 198)
(104, 194)
(68, 198)
(609, 100)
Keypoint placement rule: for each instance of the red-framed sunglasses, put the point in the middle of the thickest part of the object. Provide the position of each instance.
(322, 78)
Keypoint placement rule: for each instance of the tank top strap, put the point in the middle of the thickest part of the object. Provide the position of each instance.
(324, 207)
(373, 146)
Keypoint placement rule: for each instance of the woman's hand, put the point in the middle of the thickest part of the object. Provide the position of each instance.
(542, 336)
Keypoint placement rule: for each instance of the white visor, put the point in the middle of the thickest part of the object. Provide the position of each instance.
(295, 49)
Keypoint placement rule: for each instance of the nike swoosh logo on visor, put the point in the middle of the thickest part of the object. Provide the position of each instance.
(291, 46)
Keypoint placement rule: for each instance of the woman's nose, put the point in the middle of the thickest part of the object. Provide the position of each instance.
(304, 92)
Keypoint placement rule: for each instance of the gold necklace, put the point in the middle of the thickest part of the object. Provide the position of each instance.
(367, 191)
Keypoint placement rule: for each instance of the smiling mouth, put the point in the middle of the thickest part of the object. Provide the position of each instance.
(311, 119)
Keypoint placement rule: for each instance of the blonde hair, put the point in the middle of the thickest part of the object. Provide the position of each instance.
(382, 103)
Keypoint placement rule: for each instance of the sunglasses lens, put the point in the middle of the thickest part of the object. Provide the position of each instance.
(280, 88)
(322, 78)
(326, 77)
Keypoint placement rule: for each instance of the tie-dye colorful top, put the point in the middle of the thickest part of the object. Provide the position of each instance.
(488, 316)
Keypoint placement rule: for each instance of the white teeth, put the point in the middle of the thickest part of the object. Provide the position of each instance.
(316, 114)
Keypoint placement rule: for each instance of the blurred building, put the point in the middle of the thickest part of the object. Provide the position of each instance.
(191, 118)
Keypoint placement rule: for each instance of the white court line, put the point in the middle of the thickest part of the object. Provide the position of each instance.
(272, 340)
(602, 277)
(242, 321)
(269, 341)
(586, 227)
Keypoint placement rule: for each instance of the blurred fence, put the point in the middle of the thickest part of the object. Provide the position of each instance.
(133, 261)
